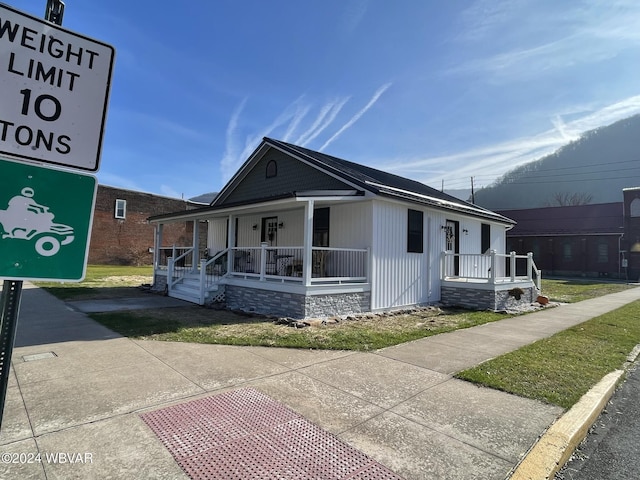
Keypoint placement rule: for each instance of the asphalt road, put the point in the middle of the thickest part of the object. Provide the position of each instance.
(610, 451)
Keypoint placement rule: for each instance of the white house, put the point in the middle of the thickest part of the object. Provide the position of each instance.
(302, 234)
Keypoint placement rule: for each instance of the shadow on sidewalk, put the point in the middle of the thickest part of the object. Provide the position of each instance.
(45, 319)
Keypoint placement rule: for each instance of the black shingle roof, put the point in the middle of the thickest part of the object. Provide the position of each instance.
(387, 184)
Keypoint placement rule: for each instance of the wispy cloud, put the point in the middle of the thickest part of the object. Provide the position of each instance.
(301, 112)
(326, 116)
(291, 117)
(489, 162)
(357, 116)
(528, 40)
(355, 11)
(228, 164)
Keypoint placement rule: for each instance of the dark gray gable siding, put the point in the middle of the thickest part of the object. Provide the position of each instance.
(293, 176)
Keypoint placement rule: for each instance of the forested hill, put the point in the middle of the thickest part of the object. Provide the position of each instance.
(592, 169)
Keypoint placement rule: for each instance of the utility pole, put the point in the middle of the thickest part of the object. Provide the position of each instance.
(473, 196)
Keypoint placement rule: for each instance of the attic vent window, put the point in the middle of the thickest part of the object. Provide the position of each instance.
(272, 169)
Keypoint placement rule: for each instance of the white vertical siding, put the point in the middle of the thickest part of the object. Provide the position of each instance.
(350, 225)
(217, 235)
(398, 278)
(401, 278)
(289, 235)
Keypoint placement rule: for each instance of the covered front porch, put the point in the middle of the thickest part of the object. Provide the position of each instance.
(273, 258)
(489, 281)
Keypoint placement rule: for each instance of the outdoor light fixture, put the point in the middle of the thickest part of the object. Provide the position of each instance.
(281, 225)
(255, 226)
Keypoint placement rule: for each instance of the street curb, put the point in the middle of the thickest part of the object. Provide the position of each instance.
(558, 443)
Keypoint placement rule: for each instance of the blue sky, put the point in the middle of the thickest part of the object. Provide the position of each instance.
(431, 90)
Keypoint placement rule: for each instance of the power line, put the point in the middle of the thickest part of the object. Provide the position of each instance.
(461, 181)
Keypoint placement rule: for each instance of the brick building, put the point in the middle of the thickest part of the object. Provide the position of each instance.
(581, 240)
(631, 239)
(121, 234)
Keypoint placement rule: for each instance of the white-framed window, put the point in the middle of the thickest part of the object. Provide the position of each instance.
(121, 208)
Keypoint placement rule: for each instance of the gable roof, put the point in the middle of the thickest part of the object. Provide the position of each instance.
(595, 219)
(370, 179)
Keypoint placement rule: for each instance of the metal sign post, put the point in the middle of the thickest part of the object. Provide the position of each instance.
(12, 289)
(10, 304)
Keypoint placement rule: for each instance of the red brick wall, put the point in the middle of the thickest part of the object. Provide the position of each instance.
(127, 241)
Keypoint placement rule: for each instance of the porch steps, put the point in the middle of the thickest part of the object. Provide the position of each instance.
(188, 289)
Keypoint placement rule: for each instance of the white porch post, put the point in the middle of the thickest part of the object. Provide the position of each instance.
(196, 243)
(513, 266)
(308, 243)
(263, 260)
(157, 244)
(493, 268)
(232, 241)
(530, 266)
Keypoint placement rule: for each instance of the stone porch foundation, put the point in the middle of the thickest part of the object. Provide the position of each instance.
(497, 298)
(295, 305)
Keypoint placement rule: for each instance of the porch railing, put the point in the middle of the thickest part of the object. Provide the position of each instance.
(286, 264)
(490, 268)
(211, 271)
(177, 267)
(165, 253)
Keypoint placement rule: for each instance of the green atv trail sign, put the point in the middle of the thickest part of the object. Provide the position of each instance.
(45, 222)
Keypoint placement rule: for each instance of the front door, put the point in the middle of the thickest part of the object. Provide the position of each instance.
(269, 234)
(452, 245)
(269, 231)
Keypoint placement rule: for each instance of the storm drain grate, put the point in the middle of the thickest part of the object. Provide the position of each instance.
(245, 435)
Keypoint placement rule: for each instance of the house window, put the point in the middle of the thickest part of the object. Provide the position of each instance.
(566, 251)
(415, 231)
(272, 169)
(121, 208)
(603, 253)
(485, 240)
(321, 227)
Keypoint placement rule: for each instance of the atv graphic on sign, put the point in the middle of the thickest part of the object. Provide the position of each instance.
(25, 219)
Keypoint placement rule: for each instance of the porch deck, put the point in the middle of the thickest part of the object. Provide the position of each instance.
(493, 281)
(268, 268)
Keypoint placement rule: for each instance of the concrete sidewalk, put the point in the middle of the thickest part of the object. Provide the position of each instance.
(77, 387)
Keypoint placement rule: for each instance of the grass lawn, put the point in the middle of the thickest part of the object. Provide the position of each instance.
(576, 290)
(562, 368)
(102, 281)
(200, 325)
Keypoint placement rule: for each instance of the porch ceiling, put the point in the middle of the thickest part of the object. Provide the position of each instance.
(293, 201)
